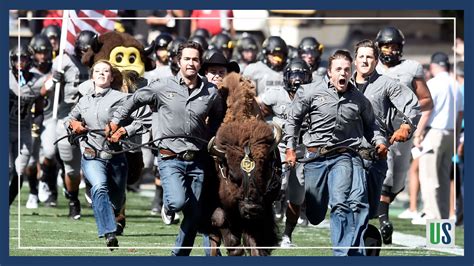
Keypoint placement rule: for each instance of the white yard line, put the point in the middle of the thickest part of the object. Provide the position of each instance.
(400, 239)
(420, 242)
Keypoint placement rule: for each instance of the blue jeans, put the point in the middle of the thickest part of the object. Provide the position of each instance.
(340, 181)
(376, 172)
(108, 179)
(182, 184)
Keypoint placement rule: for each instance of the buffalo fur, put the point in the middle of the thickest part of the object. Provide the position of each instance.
(244, 218)
(239, 95)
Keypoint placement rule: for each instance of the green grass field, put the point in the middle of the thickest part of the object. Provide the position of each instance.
(49, 232)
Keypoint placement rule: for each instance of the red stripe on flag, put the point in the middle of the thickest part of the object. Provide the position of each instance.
(77, 29)
(71, 38)
(93, 22)
(107, 13)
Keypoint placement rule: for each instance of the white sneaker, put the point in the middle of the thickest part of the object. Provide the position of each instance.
(420, 219)
(32, 202)
(302, 222)
(43, 191)
(82, 185)
(408, 214)
(286, 242)
(59, 179)
(453, 217)
(277, 210)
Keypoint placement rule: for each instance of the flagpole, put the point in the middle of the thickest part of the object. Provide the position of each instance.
(62, 46)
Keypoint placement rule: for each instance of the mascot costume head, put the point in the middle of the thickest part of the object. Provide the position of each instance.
(125, 53)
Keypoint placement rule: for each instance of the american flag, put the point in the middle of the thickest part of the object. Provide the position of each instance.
(99, 21)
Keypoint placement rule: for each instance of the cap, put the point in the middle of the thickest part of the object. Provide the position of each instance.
(440, 58)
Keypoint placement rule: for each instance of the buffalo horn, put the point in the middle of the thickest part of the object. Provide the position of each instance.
(213, 150)
(276, 133)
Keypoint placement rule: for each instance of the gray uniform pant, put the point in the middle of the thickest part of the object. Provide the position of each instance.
(148, 157)
(293, 178)
(35, 151)
(70, 155)
(20, 148)
(398, 162)
(48, 137)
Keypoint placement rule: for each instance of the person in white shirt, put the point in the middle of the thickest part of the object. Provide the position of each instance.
(438, 137)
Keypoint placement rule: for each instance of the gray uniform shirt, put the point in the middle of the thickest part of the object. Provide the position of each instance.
(386, 96)
(28, 93)
(279, 101)
(96, 110)
(48, 98)
(74, 74)
(335, 120)
(158, 73)
(178, 111)
(242, 66)
(404, 73)
(264, 77)
(319, 73)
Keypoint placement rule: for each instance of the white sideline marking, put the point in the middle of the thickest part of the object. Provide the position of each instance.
(400, 239)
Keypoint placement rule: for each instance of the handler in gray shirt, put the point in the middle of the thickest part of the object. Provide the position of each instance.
(332, 113)
(388, 98)
(95, 110)
(187, 106)
(340, 117)
(107, 173)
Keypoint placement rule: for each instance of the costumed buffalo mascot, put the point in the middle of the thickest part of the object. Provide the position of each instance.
(125, 53)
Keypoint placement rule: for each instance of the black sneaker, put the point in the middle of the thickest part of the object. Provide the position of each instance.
(386, 229)
(111, 241)
(52, 201)
(120, 225)
(74, 209)
(133, 188)
(168, 217)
